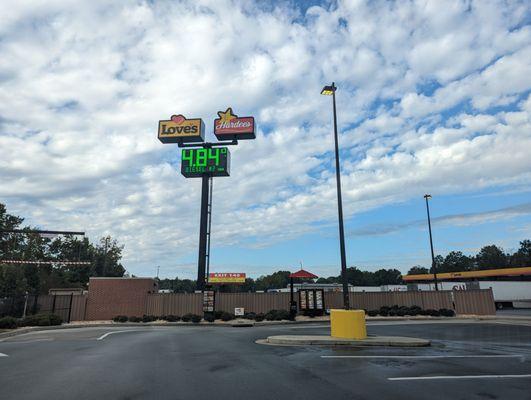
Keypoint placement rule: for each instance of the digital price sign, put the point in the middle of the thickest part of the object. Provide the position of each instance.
(214, 161)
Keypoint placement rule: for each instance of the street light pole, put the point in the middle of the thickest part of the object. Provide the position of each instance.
(433, 265)
(327, 90)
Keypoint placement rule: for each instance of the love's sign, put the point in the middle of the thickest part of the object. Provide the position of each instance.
(178, 129)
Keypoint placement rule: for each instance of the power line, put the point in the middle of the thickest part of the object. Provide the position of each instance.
(29, 231)
(46, 262)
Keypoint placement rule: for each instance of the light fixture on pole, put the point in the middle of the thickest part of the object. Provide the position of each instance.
(331, 91)
(433, 265)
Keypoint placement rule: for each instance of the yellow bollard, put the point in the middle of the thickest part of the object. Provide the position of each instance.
(348, 324)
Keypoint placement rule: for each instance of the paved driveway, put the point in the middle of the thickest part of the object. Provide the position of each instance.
(466, 361)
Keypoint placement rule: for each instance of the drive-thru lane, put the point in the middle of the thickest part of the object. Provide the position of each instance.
(465, 361)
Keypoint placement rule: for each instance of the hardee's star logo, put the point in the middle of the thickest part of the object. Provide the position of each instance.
(227, 116)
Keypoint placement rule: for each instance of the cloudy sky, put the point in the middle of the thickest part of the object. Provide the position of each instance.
(434, 97)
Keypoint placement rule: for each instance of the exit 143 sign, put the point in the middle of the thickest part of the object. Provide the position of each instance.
(213, 161)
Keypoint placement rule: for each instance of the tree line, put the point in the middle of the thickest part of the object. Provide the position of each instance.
(17, 279)
(280, 279)
(489, 257)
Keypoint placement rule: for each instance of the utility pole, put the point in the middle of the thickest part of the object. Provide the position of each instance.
(104, 272)
(433, 265)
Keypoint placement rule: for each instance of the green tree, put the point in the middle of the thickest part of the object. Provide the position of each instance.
(387, 277)
(522, 257)
(276, 280)
(418, 270)
(456, 261)
(491, 257)
(12, 281)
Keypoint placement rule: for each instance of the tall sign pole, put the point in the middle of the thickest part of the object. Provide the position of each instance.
(203, 231)
(205, 160)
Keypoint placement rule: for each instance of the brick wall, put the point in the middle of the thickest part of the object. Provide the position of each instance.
(109, 297)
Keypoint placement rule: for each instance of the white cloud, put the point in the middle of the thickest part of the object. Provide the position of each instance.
(84, 83)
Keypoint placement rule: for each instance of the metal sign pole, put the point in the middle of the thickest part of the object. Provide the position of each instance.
(203, 229)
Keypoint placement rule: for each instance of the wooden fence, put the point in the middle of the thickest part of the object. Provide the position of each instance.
(478, 302)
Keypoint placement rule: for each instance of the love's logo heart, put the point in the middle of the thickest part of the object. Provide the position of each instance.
(178, 119)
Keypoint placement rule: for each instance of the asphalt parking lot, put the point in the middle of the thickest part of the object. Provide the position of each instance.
(467, 360)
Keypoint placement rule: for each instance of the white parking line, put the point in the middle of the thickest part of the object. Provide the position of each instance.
(113, 332)
(3, 355)
(435, 356)
(304, 327)
(417, 378)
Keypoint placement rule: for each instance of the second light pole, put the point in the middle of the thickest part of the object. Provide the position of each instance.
(331, 91)
(433, 264)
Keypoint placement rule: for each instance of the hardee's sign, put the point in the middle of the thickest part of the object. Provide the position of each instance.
(229, 126)
(178, 129)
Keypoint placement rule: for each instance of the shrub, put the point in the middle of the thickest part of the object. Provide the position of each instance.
(384, 311)
(195, 318)
(225, 316)
(135, 319)
(120, 318)
(372, 313)
(8, 323)
(209, 318)
(282, 315)
(171, 318)
(259, 317)
(41, 320)
(148, 318)
(445, 312)
(271, 315)
(250, 315)
(433, 313)
(218, 314)
(187, 317)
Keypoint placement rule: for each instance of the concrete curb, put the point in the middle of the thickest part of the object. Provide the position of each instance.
(314, 340)
(109, 324)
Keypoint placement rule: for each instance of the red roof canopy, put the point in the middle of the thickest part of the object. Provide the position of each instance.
(303, 274)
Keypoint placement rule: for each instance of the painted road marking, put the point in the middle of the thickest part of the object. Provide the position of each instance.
(3, 355)
(416, 378)
(26, 341)
(431, 357)
(113, 332)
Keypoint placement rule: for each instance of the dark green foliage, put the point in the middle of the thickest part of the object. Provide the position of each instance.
(372, 313)
(217, 314)
(195, 318)
(227, 316)
(259, 317)
(187, 317)
(418, 270)
(445, 312)
(433, 313)
(277, 315)
(41, 320)
(135, 319)
(148, 318)
(250, 315)
(209, 318)
(15, 280)
(120, 318)
(171, 318)
(8, 323)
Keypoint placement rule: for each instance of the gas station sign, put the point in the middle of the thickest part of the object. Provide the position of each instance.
(178, 129)
(231, 127)
(214, 161)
